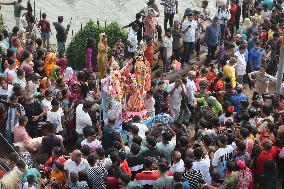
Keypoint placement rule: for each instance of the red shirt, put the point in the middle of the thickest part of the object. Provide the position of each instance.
(146, 178)
(44, 26)
(112, 183)
(125, 168)
(233, 11)
(271, 155)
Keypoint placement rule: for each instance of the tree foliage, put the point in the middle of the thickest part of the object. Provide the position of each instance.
(76, 50)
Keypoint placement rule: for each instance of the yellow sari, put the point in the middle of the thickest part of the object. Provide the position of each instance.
(102, 56)
(49, 64)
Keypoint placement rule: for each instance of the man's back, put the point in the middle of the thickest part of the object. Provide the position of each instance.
(49, 142)
(108, 137)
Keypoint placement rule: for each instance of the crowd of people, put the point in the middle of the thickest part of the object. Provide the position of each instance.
(119, 123)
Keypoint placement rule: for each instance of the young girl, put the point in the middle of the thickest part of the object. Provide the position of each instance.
(91, 139)
(57, 173)
(55, 115)
(91, 54)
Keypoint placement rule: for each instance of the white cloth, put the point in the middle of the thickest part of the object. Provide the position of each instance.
(203, 166)
(83, 119)
(190, 91)
(176, 96)
(26, 186)
(9, 72)
(189, 36)
(224, 16)
(150, 106)
(7, 92)
(142, 129)
(71, 166)
(55, 118)
(168, 44)
(167, 149)
(177, 167)
(93, 145)
(241, 63)
(222, 155)
(132, 39)
(46, 104)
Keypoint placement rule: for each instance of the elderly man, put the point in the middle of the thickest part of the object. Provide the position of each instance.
(178, 165)
(76, 163)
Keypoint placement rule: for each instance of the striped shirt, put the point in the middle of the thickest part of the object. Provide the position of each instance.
(146, 179)
(195, 178)
(96, 176)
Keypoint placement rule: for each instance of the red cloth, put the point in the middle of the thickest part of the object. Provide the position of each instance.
(271, 155)
(233, 11)
(125, 168)
(145, 176)
(112, 183)
(149, 53)
(44, 26)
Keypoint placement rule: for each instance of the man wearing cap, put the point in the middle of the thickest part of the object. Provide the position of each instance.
(212, 38)
(188, 27)
(170, 9)
(238, 97)
(61, 36)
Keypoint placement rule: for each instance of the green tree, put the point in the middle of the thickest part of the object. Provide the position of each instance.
(76, 50)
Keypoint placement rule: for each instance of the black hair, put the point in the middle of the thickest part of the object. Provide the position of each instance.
(124, 177)
(230, 166)
(241, 146)
(21, 164)
(20, 72)
(166, 136)
(163, 167)
(122, 156)
(39, 42)
(100, 152)
(135, 149)
(88, 131)
(47, 93)
(244, 132)
(14, 157)
(43, 15)
(59, 165)
(137, 140)
(91, 159)
(198, 152)
(136, 119)
(188, 163)
(31, 179)
(51, 128)
(55, 102)
(183, 141)
(177, 176)
(22, 120)
(86, 150)
(134, 129)
(87, 105)
(147, 163)
(151, 141)
(223, 139)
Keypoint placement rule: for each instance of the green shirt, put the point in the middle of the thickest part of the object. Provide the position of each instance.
(230, 181)
(165, 182)
(18, 7)
(132, 185)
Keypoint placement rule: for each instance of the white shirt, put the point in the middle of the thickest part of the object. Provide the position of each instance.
(177, 167)
(190, 91)
(132, 38)
(71, 166)
(150, 105)
(203, 166)
(176, 96)
(241, 63)
(168, 44)
(189, 36)
(7, 92)
(26, 186)
(55, 118)
(167, 149)
(224, 16)
(142, 129)
(83, 119)
(93, 145)
(222, 155)
(46, 104)
(10, 72)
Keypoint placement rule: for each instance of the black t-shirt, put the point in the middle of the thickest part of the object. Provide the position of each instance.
(136, 164)
(31, 110)
(60, 36)
(139, 32)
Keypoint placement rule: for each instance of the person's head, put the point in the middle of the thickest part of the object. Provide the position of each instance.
(76, 156)
(198, 153)
(100, 153)
(137, 140)
(147, 163)
(74, 177)
(55, 105)
(31, 180)
(13, 100)
(48, 95)
(215, 178)
(215, 20)
(13, 158)
(244, 133)
(135, 149)
(28, 56)
(43, 15)
(262, 70)
(138, 16)
(150, 142)
(124, 178)
(20, 73)
(266, 110)
(86, 150)
(122, 156)
(87, 106)
(161, 86)
(15, 30)
(136, 119)
(166, 137)
(241, 147)
(188, 163)
(222, 140)
(57, 151)
(190, 16)
(135, 27)
(176, 24)
(176, 156)
(89, 133)
(21, 165)
(163, 168)
(91, 159)
(60, 19)
(183, 141)
(168, 32)
(202, 124)
(230, 166)
(111, 120)
(266, 145)
(23, 120)
(51, 128)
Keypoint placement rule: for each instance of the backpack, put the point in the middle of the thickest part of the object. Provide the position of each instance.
(245, 179)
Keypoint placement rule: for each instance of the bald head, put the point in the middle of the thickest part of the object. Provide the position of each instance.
(176, 156)
(76, 155)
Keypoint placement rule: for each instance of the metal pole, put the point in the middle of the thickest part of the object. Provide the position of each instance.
(40, 14)
(280, 71)
(34, 9)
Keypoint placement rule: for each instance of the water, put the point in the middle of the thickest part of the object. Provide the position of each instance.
(82, 11)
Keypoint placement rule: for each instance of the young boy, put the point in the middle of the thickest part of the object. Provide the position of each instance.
(55, 115)
(90, 139)
(168, 49)
(30, 184)
(44, 26)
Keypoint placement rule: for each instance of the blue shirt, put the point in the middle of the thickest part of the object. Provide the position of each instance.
(160, 118)
(251, 43)
(212, 35)
(255, 57)
(236, 100)
(269, 3)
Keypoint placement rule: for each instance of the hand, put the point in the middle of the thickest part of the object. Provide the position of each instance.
(18, 114)
(35, 118)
